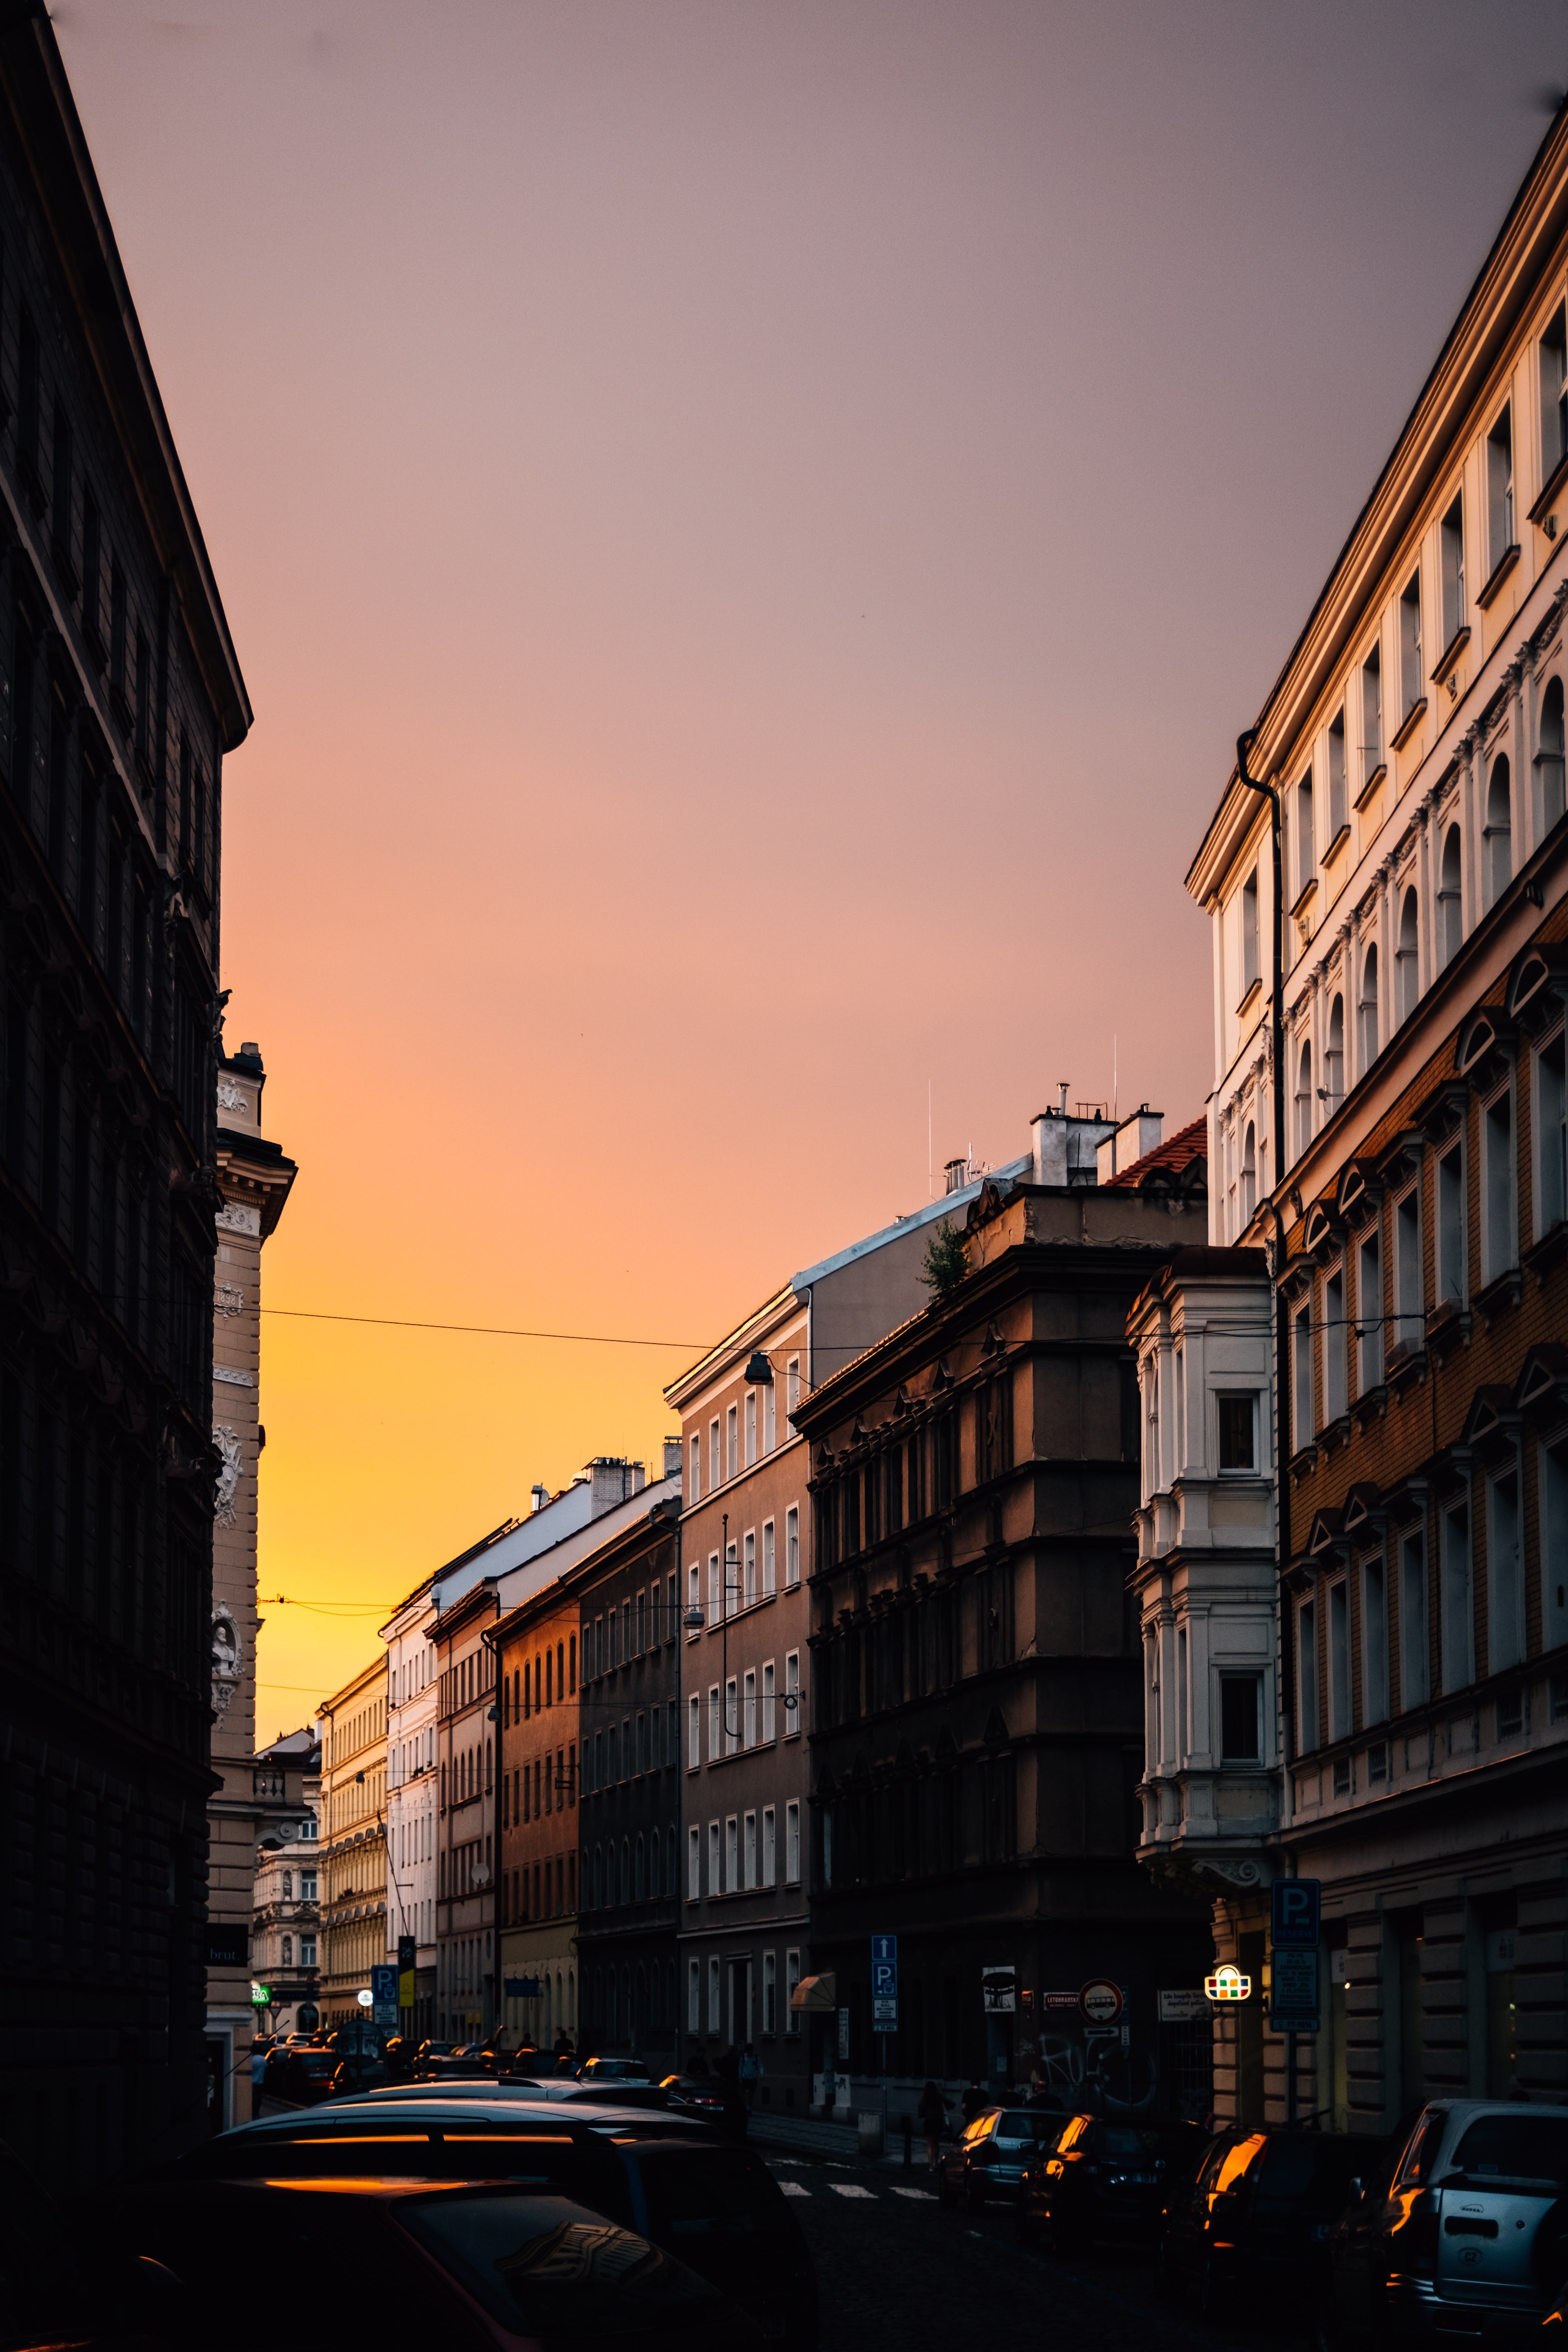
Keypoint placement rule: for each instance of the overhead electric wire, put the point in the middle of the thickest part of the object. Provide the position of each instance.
(480, 1330)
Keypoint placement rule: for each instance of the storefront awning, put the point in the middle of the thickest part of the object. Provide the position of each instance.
(816, 1993)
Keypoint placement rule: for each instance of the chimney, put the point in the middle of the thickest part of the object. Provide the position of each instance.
(956, 1173)
(1134, 1138)
(541, 1496)
(614, 1479)
(674, 1456)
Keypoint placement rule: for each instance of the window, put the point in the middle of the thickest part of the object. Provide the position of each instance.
(694, 1996)
(731, 1442)
(749, 1718)
(770, 1417)
(769, 1564)
(1334, 1057)
(768, 1700)
(1339, 812)
(792, 1694)
(693, 1596)
(716, 1609)
(1304, 1098)
(792, 1844)
(1550, 758)
(1307, 1676)
(1414, 1648)
(694, 1468)
(1505, 1572)
(715, 1882)
(751, 1427)
(749, 1574)
(1250, 931)
(1496, 1138)
(693, 1864)
(1367, 1009)
(1374, 1641)
(1406, 958)
(1305, 840)
(792, 1977)
(714, 2006)
(307, 1887)
(1451, 1227)
(1450, 900)
(792, 1547)
(693, 1731)
(1237, 1428)
(1240, 1717)
(1371, 714)
(714, 1730)
(1553, 1546)
(1250, 1175)
(769, 1847)
(1552, 1136)
(1554, 395)
(1497, 834)
(733, 1851)
(1369, 1316)
(1339, 1660)
(1302, 1402)
(1453, 540)
(749, 1851)
(715, 1474)
(307, 1951)
(1499, 490)
(792, 1383)
(1336, 1354)
(1412, 674)
(769, 1992)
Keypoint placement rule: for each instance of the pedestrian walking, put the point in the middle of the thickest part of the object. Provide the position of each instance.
(934, 2115)
(258, 2050)
(751, 2074)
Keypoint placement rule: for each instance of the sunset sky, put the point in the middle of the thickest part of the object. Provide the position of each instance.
(751, 532)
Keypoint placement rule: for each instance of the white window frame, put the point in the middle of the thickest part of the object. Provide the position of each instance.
(694, 1864)
(749, 1708)
(750, 1428)
(749, 1850)
(792, 1715)
(792, 1547)
(694, 1732)
(768, 1727)
(715, 1859)
(792, 1977)
(749, 1588)
(792, 1842)
(770, 1557)
(770, 1994)
(1551, 1131)
(732, 1849)
(715, 1723)
(1375, 1639)
(770, 1846)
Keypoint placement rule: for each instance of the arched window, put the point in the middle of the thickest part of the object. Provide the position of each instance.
(1368, 1009)
(1450, 900)
(637, 1877)
(598, 1877)
(653, 1879)
(1304, 1098)
(1334, 1055)
(1248, 1174)
(1497, 835)
(1406, 957)
(1549, 757)
(625, 1870)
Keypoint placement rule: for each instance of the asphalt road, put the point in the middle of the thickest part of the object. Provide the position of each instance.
(899, 2273)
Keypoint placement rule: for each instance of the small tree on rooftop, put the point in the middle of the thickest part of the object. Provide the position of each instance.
(946, 1263)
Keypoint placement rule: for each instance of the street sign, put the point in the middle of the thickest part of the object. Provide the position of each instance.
(383, 1995)
(1297, 1923)
(999, 1991)
(844, 2034)
(1228, 1983)
(520, 1987)
(884, 1984)
(1100, 2002)
(1181, 2004)
(260, 1996)
(1293, 1992)
(407, 1959)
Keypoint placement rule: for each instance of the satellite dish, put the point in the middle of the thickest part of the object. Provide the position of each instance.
(479, 1876)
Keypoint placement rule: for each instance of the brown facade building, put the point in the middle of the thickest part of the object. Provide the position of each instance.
(975, 1712)
(536, 1652)
(468, 1817)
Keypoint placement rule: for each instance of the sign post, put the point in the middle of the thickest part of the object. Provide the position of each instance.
(1296, 1929)
(407, 1955)
(383, 1995)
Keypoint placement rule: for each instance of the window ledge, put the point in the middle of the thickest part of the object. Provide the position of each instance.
(1503, 1291)
(1337, 843)
(1409, 723)
(1553, 483)
(1372, 781)
(1500, 571)
(1445, 1324)
(1303, 1460)
(1370, 1406)
(1253, 991)
(1552, 1247)
(1451, 652)
(1309, 891)
(1407, 1362)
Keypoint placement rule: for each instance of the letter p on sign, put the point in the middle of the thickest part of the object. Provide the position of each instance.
(1297, 1920)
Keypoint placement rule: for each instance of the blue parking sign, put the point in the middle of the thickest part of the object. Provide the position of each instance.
(1297, 1914)
(884, 1984)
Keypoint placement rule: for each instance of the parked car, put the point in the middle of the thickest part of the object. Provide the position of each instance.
(613, 2069)
(698, 2095)
(554, 2091)
(378, 2263)
(445, 2061)
(1254, 2216)
(989, 2157)
(719, 2210)
(1100, 2182)
(300, 2075)
(1464, 2234)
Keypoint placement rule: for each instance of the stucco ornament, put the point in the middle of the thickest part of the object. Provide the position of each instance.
(227, 1443)
(226, 1654)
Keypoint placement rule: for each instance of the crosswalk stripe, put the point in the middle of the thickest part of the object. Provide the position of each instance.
(793, 2189)
(925, 2194)
(850, 2189)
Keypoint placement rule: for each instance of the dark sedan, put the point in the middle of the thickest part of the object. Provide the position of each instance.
(989, 2158)
(374, 2262)
(698, 2095)
(1254, 2219)
(1105, 2183)
(299, 2077)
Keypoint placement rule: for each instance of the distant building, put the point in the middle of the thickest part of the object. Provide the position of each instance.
(253, 1180)
(535, 1647)
(353, 1841)
(975, 1707)
(120, 694)
(286, 1926)
(1415, 1210)
(412, 1820)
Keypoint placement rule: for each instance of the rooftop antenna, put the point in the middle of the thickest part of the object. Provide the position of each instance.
(1113, 1050)
(930, 1165)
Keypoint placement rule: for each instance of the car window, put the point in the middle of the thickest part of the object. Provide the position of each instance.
(1419, 2155)
(1019, 2123)
(1118, 2139)
(1515, 2148)
(1237, 2160)
(1074, 2132)
(551, 2270)
(707, 2196)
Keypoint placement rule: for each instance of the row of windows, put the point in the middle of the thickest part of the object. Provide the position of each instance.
(747, 1575)
(541, 1890)
(923, 1644)
(736, 2027)
(745, 1714)
(468, 1679)
(736, 1442)
(1405, 1625)
(1420, 1254)
(408, 1757)
(639, 1870)
(346, 1735)
(548, 1785)
(625, 1750)
(919, 1823)
(742, 1853)
(644, 1621)
(468, 1775)
(901, 1483)
(307, 1951)
(1167, 1714)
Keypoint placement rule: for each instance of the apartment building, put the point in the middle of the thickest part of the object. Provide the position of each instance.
(286, 1923)
(536, 1649)
(1390, 1124)
(352, 1871)
(467, 1726)
(975, 1733)
(412, 1812)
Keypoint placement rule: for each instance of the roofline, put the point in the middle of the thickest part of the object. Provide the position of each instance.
(341, 1697)
(1556, 136)
(49, 135)
(734, 1343)
(929, 1215)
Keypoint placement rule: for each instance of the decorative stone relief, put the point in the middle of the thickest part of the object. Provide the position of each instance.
(226, 1658)
(228, 1301)
(235, 1217)
(230, 1096)
(228, 1446)
(235, 1378)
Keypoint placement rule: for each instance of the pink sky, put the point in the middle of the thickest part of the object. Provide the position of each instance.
(751, 532)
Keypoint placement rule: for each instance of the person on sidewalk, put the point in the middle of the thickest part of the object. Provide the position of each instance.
(975, 2101)
(751, 2074)
(933, 2117)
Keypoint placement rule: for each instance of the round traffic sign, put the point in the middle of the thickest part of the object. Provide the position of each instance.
(1101, 2000)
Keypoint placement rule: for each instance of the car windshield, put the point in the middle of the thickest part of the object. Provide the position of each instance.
(1119, 2139)
(1021, 2123)
(711, 2196)
(550, 2269)
(1515, 2148)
